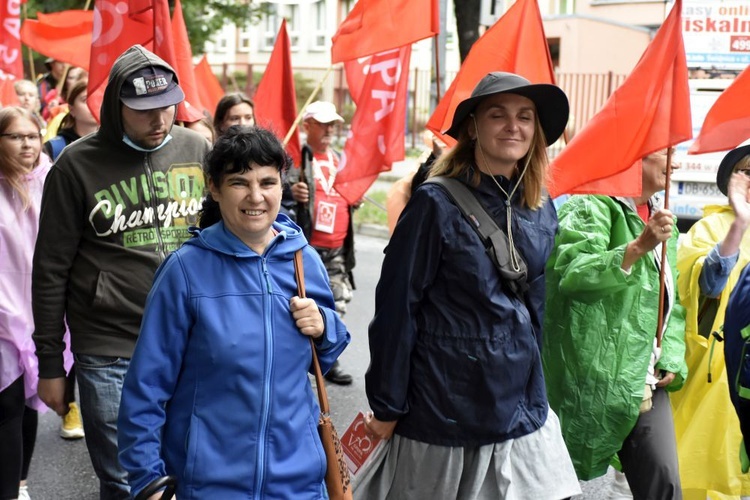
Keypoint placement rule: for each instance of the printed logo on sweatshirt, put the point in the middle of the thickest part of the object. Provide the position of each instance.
(139, 206)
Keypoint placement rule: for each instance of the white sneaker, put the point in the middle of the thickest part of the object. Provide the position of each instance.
(620, 490)
(23, 493)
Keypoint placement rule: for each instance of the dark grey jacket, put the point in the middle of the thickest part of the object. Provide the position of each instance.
(110, 215)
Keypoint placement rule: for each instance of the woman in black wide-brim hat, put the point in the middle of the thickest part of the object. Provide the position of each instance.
(455, 380)
(710, 261)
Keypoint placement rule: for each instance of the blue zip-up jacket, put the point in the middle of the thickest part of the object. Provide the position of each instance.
(455, 358)
(217, 392)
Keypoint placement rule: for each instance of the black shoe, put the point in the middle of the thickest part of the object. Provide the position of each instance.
(337, 376)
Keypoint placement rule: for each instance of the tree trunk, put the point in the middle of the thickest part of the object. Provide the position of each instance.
(467, 24)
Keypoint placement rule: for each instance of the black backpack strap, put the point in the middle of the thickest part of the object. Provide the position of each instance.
(495, 240)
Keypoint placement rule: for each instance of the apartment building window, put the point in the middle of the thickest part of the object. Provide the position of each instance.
(272, 22)
(564, 7)
(319, 34)
(293, 23)
(243, 40)
(271, 25)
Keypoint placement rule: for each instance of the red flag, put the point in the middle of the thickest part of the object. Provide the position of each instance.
(118, 25)
(376, 139)
(515, 43)
(10, 39)
(275, 99)
(184, 59)
(165, 46)
(648, 112)
(727, 123)
(378, 25)
(210, 90)
(64, 36)
(8, 96)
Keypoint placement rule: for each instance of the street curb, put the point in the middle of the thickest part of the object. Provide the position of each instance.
(374, 230)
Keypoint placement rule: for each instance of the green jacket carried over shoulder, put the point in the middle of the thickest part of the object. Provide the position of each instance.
(600, 324)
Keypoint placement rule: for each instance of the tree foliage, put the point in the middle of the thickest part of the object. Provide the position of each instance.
(203, 18)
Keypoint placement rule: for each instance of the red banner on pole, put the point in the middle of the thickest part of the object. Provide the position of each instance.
(11, 62)
(376, 139)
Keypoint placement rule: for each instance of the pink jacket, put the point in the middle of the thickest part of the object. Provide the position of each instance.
(18, 231)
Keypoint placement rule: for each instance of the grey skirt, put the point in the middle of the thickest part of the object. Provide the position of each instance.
(536, 466)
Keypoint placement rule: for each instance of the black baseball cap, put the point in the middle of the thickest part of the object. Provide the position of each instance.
(151, 87)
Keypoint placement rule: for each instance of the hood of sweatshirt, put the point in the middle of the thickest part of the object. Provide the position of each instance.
(135, 58)
(220, 239)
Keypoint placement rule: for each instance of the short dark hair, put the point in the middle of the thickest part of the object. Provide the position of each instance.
(236, 152)
(225, 104)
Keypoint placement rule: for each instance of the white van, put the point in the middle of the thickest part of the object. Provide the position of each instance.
(694, 184)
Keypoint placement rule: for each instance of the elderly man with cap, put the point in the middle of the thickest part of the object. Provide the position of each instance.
(710, 260)
(324, 215)
(455, 379)
(49, 81)
(115, 204)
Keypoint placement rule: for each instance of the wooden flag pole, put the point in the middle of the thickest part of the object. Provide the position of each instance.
(664, 263)
(314, 93)
(32, 75)
(437, 70)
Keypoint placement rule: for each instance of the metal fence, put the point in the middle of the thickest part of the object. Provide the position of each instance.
(587, 93)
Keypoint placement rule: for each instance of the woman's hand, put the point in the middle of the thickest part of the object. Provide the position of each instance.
(307, 316)
(738, 192)
(666, 379)
(657, 230)
(375, 428)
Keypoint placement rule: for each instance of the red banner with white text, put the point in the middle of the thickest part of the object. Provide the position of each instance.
(376, 139)
(117, 26)
(11, 62)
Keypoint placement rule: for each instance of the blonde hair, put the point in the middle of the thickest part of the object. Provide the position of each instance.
(12, 170)
(456, 162)
(742, 164)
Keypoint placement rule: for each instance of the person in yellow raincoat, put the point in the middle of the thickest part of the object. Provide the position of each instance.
(710, 260)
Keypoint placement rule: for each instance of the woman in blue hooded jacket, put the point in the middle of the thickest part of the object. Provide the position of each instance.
(217, 393)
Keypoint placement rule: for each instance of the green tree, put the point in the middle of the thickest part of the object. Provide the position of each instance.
(202, 17)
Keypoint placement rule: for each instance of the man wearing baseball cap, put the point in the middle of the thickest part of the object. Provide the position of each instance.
(115, 204)
(324, 215)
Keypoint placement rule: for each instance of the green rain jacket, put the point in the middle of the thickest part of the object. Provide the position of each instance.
(600, 324)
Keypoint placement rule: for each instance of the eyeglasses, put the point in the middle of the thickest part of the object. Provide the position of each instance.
(19, 138)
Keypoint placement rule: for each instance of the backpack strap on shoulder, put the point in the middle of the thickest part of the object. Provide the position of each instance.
(494, 239)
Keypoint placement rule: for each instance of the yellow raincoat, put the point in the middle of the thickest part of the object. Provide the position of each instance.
(708, 432)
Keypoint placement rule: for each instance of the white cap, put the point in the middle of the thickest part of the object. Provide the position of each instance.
(323, 112)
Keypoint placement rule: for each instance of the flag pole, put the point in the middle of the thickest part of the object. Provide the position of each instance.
(32, 76)
(662, 267)
(314, 93)
(437, 69)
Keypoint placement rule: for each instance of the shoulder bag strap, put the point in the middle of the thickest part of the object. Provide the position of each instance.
(299, 274)
(494, 238)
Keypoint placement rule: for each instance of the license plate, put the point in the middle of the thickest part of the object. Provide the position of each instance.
(699, 189)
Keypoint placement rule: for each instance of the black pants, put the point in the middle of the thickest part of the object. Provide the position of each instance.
(18, 425)
(649, 454)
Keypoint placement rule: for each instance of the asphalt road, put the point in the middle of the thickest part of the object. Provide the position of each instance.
(61, 470)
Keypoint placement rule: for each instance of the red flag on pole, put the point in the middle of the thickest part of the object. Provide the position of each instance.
(515, 43)
(10, 39)
(378, 25)
(165, 46)
(648, 112)
(210, 90)
(275, 99)
(118, 25)
(376, 139)
(64, 36)
(184, 59)
(727, 123)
